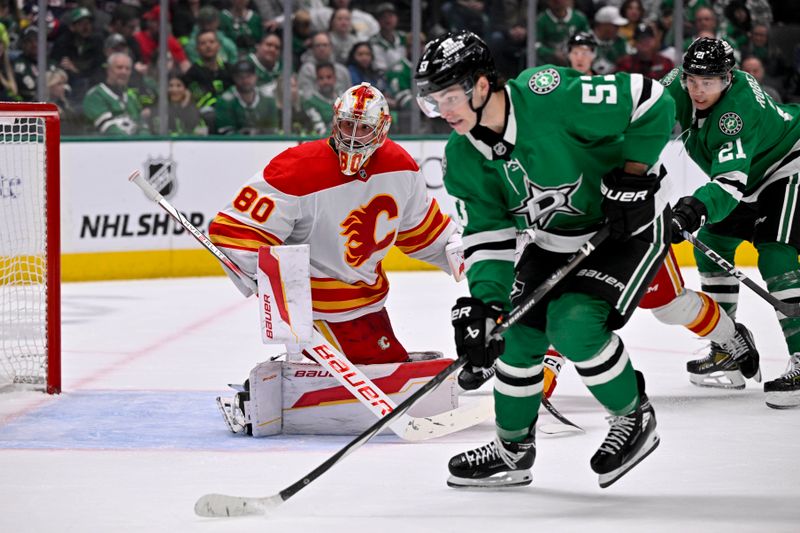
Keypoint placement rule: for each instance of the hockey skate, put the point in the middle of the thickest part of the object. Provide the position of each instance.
(233, 410)
(727, 365)
(473, 377)
(784, 392)
(497, 464)
(631, 438)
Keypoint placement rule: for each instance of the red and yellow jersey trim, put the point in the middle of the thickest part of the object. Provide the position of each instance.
(330, 295)
(227, 232)
(424, 233)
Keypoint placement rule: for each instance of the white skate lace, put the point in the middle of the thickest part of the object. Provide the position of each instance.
(621, 429)
(491, 451)
(793, 369)
(713, 349)
(737, 347)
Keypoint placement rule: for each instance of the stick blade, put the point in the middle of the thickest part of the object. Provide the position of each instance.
(431, 427)
(559, 429)
(224, 506)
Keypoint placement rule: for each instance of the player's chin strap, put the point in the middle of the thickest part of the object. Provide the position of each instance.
(479, 110)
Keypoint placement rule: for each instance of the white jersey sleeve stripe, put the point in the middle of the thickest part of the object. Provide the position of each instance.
(644, 94)
(489, 236)
(732, 185)
(486, 255)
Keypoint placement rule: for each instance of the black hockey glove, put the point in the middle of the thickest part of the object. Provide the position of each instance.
(473, 320)
(629, 201)
(688, 214)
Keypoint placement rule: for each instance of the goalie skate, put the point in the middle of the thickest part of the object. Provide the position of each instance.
(233, 410)
(726, 366)
(784, 392)
(497, 464)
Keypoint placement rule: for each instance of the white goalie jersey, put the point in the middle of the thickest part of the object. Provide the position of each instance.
(350, 222)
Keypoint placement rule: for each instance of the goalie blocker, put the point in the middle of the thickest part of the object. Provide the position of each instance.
(304, 398)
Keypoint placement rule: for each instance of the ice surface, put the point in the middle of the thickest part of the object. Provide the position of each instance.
(136, 438)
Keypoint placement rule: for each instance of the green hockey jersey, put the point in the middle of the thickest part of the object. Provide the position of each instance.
(319, 110)
(113, 114)
(739, 142)
(259, 117)
(563, 132)
(553, 32)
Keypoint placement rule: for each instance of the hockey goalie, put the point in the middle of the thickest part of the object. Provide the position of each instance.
(350, 198)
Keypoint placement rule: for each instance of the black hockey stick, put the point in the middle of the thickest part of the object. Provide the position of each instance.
(557, 414)
(787, 308)
(220, 505)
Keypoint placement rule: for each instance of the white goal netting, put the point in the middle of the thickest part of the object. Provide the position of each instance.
(23, 251)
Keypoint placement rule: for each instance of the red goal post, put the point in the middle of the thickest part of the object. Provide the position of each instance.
(30, 250)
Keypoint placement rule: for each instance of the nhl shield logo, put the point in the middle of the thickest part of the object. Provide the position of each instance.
(160, 172)
(544, 81)
(730, 124)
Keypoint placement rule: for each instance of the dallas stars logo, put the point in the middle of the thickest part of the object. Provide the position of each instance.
(544, 81)
(543, 203)
(730, 123)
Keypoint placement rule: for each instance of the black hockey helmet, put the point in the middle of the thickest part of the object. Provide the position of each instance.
(708, 57)
(453, 58)
(582, 38)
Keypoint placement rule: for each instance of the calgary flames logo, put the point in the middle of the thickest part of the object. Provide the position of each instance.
(360, 225)
(361, 95)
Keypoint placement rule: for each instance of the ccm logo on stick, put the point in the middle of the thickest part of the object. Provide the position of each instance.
(341, 367)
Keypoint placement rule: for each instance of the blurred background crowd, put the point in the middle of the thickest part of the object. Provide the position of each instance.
(224, 64)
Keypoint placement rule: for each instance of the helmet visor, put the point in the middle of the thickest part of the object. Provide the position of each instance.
(434, 104)
(708, 84)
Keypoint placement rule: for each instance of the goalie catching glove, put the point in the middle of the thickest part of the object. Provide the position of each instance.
(629, 201)
(473, 322)
(688, 215)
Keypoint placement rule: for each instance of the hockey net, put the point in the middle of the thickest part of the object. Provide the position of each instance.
(30, 316)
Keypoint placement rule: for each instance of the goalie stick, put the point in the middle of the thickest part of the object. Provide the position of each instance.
(221, 505)
(325, 354)
(786, 308)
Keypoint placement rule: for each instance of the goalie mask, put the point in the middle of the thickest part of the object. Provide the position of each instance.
(361, 123)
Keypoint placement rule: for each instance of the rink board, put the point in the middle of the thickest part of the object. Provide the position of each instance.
(110, 230)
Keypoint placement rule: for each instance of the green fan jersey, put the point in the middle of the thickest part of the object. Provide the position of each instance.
(259, 117)
(563, 132)
(319, 109)
(553, 32)
(739, 142)
(114, 114)
(245, 32)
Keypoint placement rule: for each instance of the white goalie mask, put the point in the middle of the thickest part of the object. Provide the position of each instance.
(361, 123)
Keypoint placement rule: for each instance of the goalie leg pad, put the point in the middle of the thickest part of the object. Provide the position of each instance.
(304, 398)
(265, 408)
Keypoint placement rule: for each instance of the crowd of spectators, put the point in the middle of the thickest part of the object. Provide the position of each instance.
(224, 58)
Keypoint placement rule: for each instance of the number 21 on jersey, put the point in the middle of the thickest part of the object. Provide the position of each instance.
(731, 150)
